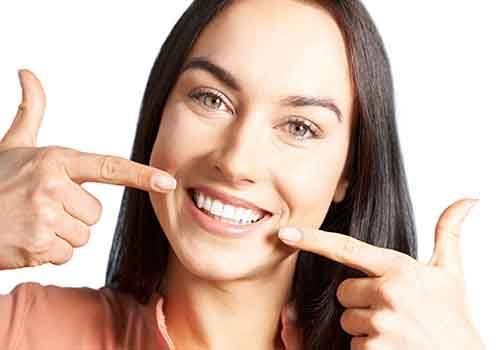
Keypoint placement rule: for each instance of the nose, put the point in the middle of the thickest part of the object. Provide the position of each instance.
(240, 157)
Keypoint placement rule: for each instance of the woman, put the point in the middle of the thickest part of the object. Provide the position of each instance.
(281, 107)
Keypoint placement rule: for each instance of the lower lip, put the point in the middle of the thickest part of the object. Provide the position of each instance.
(220, 228)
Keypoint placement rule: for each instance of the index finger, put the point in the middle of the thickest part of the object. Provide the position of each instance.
(372, 260)
(91, 167)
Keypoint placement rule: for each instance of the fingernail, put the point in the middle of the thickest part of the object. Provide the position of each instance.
(164, 183)
(290, 234)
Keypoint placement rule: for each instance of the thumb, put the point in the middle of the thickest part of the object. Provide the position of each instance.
(24, 129)
(447, 235)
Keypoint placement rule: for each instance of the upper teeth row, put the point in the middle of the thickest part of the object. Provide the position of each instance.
(228, 211)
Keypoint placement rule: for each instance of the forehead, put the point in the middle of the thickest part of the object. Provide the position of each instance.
(279, 47)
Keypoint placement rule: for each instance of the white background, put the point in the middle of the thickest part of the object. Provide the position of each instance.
(94, 57)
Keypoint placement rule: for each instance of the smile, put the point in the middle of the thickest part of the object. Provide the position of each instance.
(217, 226)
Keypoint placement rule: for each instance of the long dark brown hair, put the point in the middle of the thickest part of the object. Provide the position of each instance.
(376, 209)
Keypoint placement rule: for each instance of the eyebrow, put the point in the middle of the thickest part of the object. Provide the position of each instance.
(229, 80)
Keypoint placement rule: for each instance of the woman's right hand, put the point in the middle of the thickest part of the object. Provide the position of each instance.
(44, 212)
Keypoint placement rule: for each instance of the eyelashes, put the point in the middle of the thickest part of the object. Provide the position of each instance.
(313, 130)
(213, 95)
(201, 96)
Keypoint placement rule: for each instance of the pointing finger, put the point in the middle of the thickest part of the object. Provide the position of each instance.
(90, 167)
(370, 259)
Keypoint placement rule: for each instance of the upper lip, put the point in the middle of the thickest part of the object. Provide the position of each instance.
(229, 199)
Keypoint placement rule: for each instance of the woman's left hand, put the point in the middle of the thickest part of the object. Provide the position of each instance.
(403, 303)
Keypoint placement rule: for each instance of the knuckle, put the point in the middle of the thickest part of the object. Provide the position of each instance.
(349, 248)
(63, 255)
(386, 292)
(108, 167)
(33, 261)
(403, 265)
(36, 197)
(49, 154)
(403, 258)
(378, 321)
(45, 216)
(38, 244)
(141, 176)
(46, 184)
(400, 262)
(28, 260)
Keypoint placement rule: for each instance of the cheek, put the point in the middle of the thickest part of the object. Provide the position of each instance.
(173, 146)
(310, 188)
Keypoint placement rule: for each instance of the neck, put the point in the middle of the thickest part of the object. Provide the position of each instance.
(208, 314)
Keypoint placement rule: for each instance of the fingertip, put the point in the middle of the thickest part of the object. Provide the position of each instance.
(290, 234)
(163, 183)
(21, 73)
(465, 204)
(473, 203)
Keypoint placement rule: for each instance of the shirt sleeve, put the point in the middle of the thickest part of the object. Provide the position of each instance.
(14, 308)
(35, 316)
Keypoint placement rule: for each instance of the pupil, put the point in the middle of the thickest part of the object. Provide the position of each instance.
(213, 99)
(298, 128)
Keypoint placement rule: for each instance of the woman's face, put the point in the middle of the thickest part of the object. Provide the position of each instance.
(247, 141)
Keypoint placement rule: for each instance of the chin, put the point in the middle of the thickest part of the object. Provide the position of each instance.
(207, 262)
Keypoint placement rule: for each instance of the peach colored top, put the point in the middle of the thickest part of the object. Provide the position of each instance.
(34, 316)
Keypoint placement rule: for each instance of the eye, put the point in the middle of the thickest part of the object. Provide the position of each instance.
(210, 100)
(299, 126)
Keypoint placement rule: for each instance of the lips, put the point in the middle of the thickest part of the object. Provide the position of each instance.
(191, 195)
(220, 228)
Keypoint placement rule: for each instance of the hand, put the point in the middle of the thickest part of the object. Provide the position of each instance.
(44, 212)
(403, 303)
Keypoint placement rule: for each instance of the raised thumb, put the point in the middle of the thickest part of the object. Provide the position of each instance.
(447, 235)
(23, 131)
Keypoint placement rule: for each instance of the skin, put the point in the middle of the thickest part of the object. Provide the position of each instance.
(222, 292)
(403, 303)
(44, 212)
(49, 214)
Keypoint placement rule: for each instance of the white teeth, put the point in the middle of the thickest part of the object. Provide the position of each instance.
(225, 212)
(199, 200)
(217, 207)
